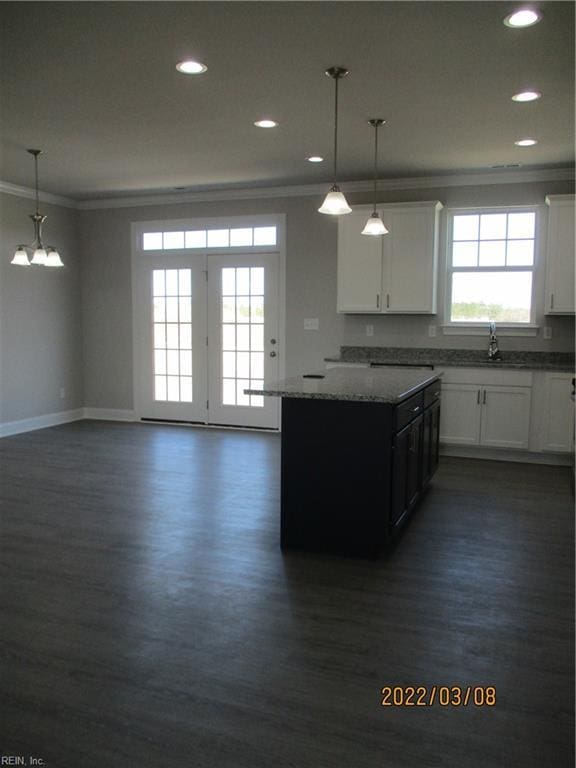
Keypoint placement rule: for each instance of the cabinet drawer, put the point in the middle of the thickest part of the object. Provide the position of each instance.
(409, 410)
(432, 393)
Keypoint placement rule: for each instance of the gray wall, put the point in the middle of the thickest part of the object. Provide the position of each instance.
(310, 284)
(40, 319)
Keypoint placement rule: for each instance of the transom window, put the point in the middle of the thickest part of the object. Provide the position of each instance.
(491, 266)
(238, 237)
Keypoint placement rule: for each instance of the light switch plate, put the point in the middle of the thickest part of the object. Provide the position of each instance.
(431, 331)
(547, 332)
(311, 324)
(369, 330)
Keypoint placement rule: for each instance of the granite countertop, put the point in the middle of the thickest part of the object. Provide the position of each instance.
(373, 385)
(456, 358)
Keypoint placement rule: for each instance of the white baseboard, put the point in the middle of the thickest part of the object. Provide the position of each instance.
(8, 428)
(494, 454)
(109, 414)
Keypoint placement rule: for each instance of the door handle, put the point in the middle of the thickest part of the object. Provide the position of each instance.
(377, 301)
(551, 301)
(484, 398)
(272, 354)
(272, 341)
(478, 397)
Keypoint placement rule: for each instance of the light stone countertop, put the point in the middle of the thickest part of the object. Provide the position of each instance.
(361, 384)
(456, 358)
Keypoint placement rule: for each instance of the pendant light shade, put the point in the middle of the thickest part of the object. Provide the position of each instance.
(375, 226)
(41, 256)
(335, 203)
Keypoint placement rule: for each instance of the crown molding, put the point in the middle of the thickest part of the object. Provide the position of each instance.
(309, 190)
(487, 178)
(45, 197)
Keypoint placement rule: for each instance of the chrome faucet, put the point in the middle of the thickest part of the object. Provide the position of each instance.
(493, 351)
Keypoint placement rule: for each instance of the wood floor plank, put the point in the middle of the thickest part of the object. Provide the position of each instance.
(149, 617)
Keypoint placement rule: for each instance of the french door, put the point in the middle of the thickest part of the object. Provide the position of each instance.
(206, 330)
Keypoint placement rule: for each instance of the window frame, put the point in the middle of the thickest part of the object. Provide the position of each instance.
(466, 327)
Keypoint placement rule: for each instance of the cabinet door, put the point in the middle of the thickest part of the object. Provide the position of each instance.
(505, 416)
(414, 474)
(400, 462)
(461, 410)
(359, 266)
(410, 261)
(558, 416)
(430, 442)
(560, 255)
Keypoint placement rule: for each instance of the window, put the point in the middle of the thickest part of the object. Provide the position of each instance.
(491, 266)
(209, 238)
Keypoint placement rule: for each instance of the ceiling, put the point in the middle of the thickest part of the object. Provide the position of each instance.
(94, 85)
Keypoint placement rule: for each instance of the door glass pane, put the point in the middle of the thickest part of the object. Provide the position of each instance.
(171, 282)
(228, 336)
(243, 338)
(172, 338)
(242, 334)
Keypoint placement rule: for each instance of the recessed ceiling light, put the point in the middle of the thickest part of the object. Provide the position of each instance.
(525, 17)
(266, 123)
(315, 159)
(191, 67)
(526, 96)
(525, 142)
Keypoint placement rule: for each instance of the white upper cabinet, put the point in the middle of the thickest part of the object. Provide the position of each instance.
(359, 265)
(560, 255)
(395, 273)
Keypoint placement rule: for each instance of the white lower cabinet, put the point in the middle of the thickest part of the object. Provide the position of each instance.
(460, 414)
(557, 413)
(484, 408)
(505, 420)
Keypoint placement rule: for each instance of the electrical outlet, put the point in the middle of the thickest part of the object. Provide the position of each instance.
(369, 330)
(311, 323)
(547, 332)
(431, 331)
(62, 393)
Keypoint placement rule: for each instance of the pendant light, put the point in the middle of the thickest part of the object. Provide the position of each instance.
(335, 203)
(45, 256)
(375, 225)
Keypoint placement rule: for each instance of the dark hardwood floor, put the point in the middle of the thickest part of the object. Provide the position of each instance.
(149, 618)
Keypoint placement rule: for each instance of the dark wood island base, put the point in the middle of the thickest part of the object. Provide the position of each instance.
(353, 471)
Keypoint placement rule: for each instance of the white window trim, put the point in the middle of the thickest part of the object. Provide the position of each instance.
(462, 328)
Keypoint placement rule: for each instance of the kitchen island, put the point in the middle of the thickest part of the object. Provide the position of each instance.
(359, 447)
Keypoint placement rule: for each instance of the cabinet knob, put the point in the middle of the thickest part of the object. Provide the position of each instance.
(272, 354)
